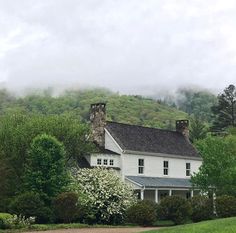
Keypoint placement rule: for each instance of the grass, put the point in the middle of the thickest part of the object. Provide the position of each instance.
(227, 225)
(164, 223)
(46, 227)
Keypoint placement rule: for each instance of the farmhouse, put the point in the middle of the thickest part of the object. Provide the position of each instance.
(155, 162)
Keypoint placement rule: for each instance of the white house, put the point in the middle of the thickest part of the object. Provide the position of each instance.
(155, 162)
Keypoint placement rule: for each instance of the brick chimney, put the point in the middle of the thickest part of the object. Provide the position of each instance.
(182, 126)
(98, 122)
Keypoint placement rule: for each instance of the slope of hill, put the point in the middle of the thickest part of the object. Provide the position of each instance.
(121, 108)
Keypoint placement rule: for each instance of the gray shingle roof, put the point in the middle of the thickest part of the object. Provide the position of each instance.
(160, 182)
(152, 140)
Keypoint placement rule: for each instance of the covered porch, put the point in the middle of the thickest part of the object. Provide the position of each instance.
(156, 188)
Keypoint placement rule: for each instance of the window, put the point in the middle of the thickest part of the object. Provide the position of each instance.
(99, 162)
(140, 166)
(188, 195)
(188, 169)
(166, 168)
(104, 161)
(111, 162)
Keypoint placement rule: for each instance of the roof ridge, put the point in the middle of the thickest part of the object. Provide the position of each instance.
(146, 127)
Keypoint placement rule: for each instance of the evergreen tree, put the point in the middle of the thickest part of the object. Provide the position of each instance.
(225, 110)
(198, 129)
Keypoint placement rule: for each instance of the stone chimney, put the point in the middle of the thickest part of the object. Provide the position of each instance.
(98, 122)
(182, 126)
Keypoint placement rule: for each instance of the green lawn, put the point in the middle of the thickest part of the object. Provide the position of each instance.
(227, 225)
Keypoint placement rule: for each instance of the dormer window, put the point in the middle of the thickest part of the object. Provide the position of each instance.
(99, 162)
(140, 166)
(111, 162)
(166, 168)
(188, 169)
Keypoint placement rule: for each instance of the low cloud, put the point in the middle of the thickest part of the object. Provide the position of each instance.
(130, 46)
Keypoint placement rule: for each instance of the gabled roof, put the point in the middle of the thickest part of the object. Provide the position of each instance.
(151, 140)
(160, 182)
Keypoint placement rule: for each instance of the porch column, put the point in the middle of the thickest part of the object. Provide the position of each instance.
(156, 196)
(191, 193)
(142, 194)
(170, 192)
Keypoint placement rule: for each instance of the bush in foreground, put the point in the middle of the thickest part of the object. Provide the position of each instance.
(174, 208)
(142, 213)
(66, 207)
(30, 205)
(202, 208)
(226, 206)
(103, 193)
(5, 220)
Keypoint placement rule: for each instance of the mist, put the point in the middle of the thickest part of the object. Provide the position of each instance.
(134, 47)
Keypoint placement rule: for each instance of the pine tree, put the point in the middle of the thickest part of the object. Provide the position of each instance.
(225, 110)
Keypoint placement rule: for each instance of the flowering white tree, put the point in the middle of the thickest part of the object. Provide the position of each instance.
(104, 192)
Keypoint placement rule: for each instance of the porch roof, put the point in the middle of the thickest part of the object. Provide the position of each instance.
(159, 182)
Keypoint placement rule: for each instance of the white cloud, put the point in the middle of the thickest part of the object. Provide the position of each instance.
(126, 45)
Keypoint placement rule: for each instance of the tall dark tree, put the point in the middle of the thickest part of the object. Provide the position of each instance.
(198, 129)
(225, 109)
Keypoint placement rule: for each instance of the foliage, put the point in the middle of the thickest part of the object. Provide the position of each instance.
(16, 134)
(218, 169)
(225, 109)
(225, 206)
(5, 220)
(46, 173)
(8, 221)
(226, 225)
(66, 207)
(103, 192)
(202, 208)
(121, 108)
(142, 213)
(30, 205)
(198, 129)
(174, 208)
(196, 102)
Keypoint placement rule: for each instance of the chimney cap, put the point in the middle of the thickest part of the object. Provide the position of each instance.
(98, 104)
(182, 122)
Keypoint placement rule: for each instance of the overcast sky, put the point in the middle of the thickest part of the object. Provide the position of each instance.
(131, 46)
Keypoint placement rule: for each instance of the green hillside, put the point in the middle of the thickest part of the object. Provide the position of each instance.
(121, 108)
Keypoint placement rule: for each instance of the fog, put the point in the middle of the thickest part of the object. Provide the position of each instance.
(131, 46)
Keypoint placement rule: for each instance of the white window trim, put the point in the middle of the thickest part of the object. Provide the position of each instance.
(141, 166)
(104, 162)
(100, 162)
(187, 169)
(168, 168)
(110, 162)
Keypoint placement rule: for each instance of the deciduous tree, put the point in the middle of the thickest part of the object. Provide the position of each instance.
(46, 172)
(218, 170)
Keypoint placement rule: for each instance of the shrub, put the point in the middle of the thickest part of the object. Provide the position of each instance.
(66, 207)
(8, 221)
(5, 220)
(226, 206)
(174, 208)
(30, 205)
(142, 213)
(103, 192)
(202, 208)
